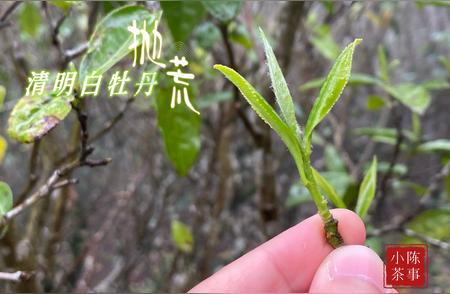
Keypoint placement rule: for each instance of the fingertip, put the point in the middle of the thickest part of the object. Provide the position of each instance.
(350, 269)
(350, 226)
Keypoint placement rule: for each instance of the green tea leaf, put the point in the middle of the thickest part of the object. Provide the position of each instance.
(376, 244)
(312, 84)
(35, 116)
(223, 10)
(180, 129)
(284, 98)
(111, 39)
(356, 79)
(182, 17)
(266, 112)
(339, 180)
(439, 145)
(298, 194)
(413, 96)
(29, 18)
(398, 169)
(333, 160)
(3, 147)
(207, 35)
(240, 36)
(326, 46)
(383, 135)
(2, 96)
(64, 5)
(182, 236)
(328, 189)
(441, 3)
(6, 198)
(384, 68)
(432, 223)
(375, 102)
(214, 98)
(332, 88)
(436, 85)
(367, 190)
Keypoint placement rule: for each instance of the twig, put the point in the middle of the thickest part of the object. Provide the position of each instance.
(432, 188)
(50, 185)
(384, 181)
(432, 241)
(18, 276)
(257, 137)
(3, 20)
(32, 176)
(111, 123)
(65, 56)
(106, 128)
(71, 54)
(53, 182)
(9, 10)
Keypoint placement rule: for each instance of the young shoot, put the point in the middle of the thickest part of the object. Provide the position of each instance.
(298, 141)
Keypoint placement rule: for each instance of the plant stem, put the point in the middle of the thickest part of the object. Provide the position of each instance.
(330, 223)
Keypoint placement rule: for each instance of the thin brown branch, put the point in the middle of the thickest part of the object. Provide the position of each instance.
(3, 19)
(71, 54)
(432, 188)
(54, 181)
(432, 241)
(108, 126)
(257, 137)
(379, 207)
(32, 175)
(111, 123)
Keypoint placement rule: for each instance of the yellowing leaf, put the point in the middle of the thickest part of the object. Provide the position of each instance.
(6, 198)
(182, 236)
(35, 116)
(3, 147)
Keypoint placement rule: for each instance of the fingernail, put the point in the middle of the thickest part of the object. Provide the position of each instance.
(350, 269)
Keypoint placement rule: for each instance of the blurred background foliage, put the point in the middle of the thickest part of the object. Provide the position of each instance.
(186, 194)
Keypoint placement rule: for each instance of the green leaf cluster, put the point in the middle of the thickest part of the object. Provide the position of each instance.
(287, 127)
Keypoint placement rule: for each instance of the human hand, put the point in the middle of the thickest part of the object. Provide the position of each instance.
(300, 260)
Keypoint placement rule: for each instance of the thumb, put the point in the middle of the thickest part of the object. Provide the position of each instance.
(350, 269)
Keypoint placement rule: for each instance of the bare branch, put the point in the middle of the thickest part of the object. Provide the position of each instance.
(396, 153)
(432, 241)
(3, 20)
(71, 54)
(400, 224)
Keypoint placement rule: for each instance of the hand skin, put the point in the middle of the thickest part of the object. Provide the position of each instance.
(300, 260)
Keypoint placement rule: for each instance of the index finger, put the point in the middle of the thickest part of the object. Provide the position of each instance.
(287, 262)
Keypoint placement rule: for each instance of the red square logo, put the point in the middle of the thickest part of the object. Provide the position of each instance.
(406, 265)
